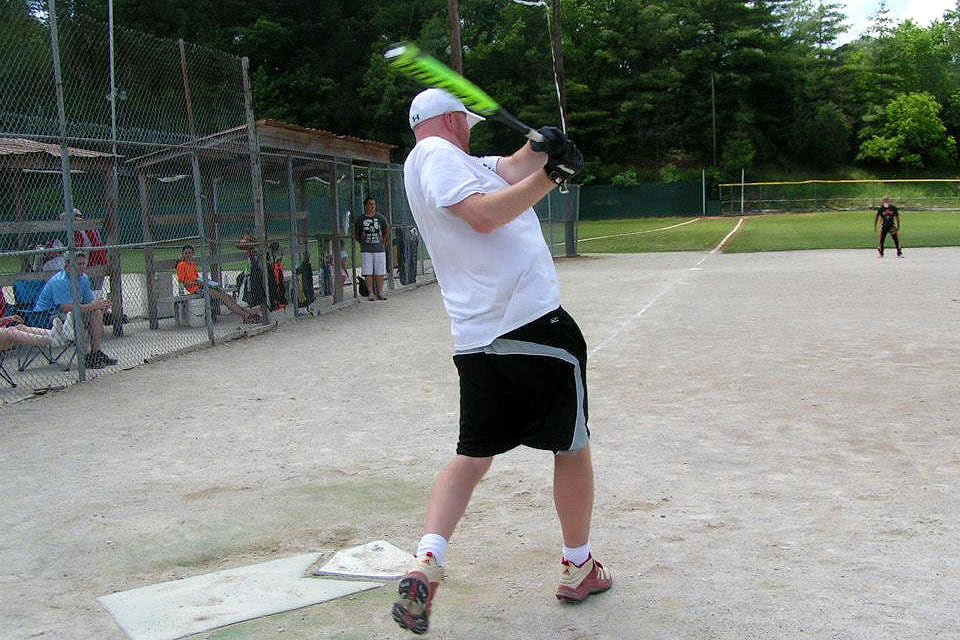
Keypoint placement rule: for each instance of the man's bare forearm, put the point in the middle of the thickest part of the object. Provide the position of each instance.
(487, 212)
(524, 162)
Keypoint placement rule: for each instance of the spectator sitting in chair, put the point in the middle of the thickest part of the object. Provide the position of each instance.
(14, 331)
(56, 296)
(189, 279)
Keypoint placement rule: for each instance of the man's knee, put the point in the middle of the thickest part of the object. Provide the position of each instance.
(576, 457)
(471, 467)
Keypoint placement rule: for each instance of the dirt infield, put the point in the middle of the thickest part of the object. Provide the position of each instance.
(775, 438)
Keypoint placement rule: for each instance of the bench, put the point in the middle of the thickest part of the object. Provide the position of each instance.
(164, 271)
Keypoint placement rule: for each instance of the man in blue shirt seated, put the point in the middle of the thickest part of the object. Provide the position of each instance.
(56, 296)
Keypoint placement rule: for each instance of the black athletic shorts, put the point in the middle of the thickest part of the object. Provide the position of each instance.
(528, 387)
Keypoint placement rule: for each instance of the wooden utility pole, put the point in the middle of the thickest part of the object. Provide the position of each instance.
(558, 63)
(713, 109)
(456, 50)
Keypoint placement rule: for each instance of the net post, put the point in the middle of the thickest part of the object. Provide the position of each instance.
(743, 188)
(703, 186)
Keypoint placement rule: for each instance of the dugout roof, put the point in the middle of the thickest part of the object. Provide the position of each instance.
(274, 135)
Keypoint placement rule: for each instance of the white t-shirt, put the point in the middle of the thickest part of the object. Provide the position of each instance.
(491, 283)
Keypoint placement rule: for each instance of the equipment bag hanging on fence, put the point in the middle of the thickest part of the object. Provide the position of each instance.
(304, 275)
(278, 289)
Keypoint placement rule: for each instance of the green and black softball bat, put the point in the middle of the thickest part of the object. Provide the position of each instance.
(409, 59)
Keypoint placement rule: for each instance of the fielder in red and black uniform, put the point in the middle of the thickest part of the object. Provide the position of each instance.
(888, 215)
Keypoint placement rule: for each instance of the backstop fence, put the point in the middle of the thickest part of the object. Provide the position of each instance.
(128, 149)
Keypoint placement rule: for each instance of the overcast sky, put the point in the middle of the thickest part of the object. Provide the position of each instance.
(920, 11)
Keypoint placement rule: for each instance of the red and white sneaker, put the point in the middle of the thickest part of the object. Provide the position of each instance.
(416, 590)
(577, 583)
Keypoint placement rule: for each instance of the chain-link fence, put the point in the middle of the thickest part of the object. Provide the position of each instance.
(921, 194)
(137, 187)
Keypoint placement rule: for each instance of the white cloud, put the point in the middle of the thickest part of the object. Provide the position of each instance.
(923, 12)
(920, 11)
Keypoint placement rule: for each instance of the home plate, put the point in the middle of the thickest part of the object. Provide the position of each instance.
(377, 560)
(184, 607)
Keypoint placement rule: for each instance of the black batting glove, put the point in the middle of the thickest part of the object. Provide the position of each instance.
(553, 141)
(564, 165)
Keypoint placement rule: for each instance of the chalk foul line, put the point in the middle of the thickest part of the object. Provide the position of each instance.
(636, 233)
(623, 325)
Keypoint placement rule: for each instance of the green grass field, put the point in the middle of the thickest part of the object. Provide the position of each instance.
(782, 232)
(842, 231)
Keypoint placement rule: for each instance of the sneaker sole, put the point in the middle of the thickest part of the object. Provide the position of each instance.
(410, 610)
(570, 596)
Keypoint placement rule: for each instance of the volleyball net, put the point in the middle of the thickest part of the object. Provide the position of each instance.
(932, 194)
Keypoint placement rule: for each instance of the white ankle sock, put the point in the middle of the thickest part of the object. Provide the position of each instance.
(435, 544)
(576, 555)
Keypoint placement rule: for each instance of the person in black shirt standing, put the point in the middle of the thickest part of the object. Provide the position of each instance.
(889, 217)
(372, 231)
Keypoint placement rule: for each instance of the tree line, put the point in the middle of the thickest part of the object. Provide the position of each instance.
(655, 89)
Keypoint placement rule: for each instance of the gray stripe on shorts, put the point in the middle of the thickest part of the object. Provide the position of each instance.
(507, 347)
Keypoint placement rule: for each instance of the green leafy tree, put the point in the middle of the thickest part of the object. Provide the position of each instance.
(908, 132)
(822, 136)
(882, 22)
(814, 25)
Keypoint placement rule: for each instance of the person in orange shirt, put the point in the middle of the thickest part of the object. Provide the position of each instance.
(189, 279)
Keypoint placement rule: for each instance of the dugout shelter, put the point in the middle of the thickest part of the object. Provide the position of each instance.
(31, 175)
(266, 187)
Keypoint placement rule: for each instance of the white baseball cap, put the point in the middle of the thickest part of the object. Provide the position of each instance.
(431, 103)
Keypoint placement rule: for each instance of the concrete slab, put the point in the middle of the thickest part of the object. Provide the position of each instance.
(378, 560)
(181, 608)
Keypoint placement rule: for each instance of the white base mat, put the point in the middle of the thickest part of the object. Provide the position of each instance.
(181, 608)
(377, 560)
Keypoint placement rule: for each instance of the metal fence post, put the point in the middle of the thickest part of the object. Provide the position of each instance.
(198, 198)
(294, 294)
(570, 223)
(355, 201)
(115, 270)
(335, 218)
(743, 188)
(67, 195)
(256, 187)
(205, 252)
(703, 183)
(389, 247)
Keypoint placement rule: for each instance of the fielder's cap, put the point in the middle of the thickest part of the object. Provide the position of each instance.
(431, 103)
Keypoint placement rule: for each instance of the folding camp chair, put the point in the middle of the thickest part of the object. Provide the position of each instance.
(4, 374)
(25, 293)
